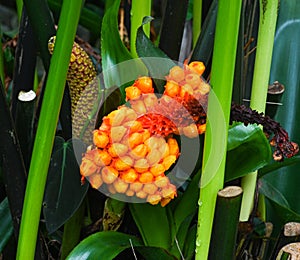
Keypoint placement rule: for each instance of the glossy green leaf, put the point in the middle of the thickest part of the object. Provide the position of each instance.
(247, 150)
(189, 246)
(285, 68)
(279, 204)
(154, 253)
(152, 57)
(64, 191)
(114, 54)
(172, 27)
(6, 226)
(187, 204)
(153, 224)
(103, 245)
(273, 165)
(204, 46)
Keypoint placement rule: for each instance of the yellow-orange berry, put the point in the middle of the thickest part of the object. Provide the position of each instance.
(157, 169)
(171, 89)
(146, 177)
(120, 186)
(201, 129)
(190, 131)
(141, 165)
(129, 176)
(134, 126)
(197, 66)
(102, 157)
(177, 74)
(100, 138)
(129, 193)
(164, 149)
(164, 201)
(132, 92)
(204, 88)
(136, 186)
(130, 115)
(152, 142)
(95, 180)
(111, 188)
(123, 163)
(144, 84)
(139, 151)
(161, 181)
(173, 147)
(138, 106)
(150, 100)
(87, 167)
(168, 161)
(186, 89)
(154, 199)
(153, 157)
(117, 133)
(146, 135)
(119, 117)
(141, 194)
(117, 150)
(150, 188)
(169, 191)
(109, 174)
(193, 80)
(135, 139)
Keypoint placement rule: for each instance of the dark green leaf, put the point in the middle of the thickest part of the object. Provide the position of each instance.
(273, 165)
(187, 204)
(285, 69)
(277, 203)
(6, 226)
(172, 27)
(157, 62)
(64, 191)
(204, 46)
(247, 150)
(103, 245)
(189, 246)
(116, 59)
(153, 224)
(154, 253)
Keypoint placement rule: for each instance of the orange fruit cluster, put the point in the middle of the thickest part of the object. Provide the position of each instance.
(134, 147)
(129, 160)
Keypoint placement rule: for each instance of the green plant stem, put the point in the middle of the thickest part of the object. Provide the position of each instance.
(215, 146)
(46, 129)
(139, 9)
(72, 229)
(265, 41)
(197, 17)
(225, 225)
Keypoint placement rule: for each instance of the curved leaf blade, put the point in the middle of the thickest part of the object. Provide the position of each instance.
(103, 245)
(153, 224)
(64, 191)
(247, 150)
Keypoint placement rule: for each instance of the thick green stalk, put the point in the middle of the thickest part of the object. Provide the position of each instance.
(265, 41)
(46, 129)
(197, 17)
(139, 9)
(226, 222)
(218, 114)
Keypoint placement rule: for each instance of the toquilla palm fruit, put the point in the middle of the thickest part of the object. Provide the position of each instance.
(134, 146)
